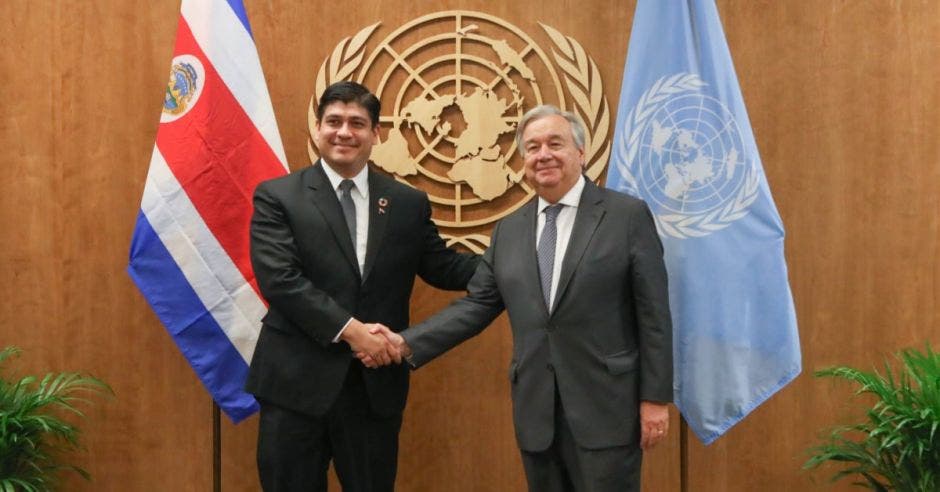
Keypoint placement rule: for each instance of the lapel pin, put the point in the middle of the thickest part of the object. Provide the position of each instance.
(382, 203)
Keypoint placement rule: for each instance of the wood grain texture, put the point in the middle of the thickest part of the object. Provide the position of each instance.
(84, 82)
(844, 100)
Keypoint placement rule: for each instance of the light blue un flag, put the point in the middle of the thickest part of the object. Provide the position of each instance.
(683, 143)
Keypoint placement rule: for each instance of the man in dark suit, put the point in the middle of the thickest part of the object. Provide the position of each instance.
(333, 246)
(591, 370)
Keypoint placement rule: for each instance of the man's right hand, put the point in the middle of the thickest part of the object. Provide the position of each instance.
(366, 340)
(393, 338)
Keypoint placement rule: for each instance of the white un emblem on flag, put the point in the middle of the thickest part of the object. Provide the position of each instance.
(685, 157)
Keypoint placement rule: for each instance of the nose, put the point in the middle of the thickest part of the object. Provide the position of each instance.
(344, 130)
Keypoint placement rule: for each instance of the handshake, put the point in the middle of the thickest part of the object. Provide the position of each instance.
(375, 344)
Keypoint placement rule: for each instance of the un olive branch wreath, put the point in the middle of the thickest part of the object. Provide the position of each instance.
(345, 59)
(583, 81)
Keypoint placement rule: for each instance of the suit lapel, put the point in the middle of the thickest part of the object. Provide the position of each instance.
(590, 212)
(380, 206)
(324, 198)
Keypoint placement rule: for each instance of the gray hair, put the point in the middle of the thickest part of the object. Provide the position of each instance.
(539, 112)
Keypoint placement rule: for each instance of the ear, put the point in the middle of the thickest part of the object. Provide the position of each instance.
(316, 133)
(375, 134)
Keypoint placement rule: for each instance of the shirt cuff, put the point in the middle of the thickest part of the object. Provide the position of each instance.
(336, 338)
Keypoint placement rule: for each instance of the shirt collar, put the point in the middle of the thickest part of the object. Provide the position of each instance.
(571, 199)
(361, 180)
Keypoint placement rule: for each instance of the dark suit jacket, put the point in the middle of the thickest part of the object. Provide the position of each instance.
(608, 340)
(305, 264)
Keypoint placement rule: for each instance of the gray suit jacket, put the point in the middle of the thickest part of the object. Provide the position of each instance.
(607, 342)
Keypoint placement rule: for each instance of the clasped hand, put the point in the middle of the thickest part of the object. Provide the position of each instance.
(374, 343)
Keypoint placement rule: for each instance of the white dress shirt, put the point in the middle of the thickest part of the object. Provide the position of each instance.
(564, 223)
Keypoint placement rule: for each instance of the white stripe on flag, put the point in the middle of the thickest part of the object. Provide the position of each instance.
(232, 52)
(210, 271)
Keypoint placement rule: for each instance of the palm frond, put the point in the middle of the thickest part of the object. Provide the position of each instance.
(897, 447)
(34, 435)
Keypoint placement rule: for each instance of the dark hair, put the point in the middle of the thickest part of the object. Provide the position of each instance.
(350, 92)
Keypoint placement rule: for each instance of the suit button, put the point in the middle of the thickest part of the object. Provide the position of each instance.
(550, 367)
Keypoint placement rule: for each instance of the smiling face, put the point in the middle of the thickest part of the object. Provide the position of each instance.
(345, 135)
(553, 162)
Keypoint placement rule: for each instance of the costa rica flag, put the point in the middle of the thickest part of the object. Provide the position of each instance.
(216, 141)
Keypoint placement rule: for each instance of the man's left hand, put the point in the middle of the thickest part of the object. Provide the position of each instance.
(654, 423)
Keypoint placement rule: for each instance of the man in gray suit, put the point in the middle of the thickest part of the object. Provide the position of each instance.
(581, 273)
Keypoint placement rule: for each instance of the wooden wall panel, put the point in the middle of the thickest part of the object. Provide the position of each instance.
(83, 84)
(844, 99)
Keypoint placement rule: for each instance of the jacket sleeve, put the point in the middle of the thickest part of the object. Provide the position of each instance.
(441, 266)
(651, 300)
(463, 318)
(278, 269)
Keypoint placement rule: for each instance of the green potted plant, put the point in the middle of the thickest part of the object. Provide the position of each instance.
(34, 436)
(897, 445)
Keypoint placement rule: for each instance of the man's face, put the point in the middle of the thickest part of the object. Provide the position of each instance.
(553, 163)
(345, 136)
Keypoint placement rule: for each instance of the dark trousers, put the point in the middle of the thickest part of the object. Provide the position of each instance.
(567, 467)
(294, 449)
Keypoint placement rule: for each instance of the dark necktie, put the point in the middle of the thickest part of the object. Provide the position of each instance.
(349, 208)
(546, 251)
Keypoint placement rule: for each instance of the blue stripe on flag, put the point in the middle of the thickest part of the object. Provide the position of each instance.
(239, 8)
(197, 334)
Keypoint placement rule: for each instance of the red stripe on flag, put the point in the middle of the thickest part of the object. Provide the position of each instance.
(218, 157)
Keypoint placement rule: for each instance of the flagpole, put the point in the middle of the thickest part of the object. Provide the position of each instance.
(216, 448)
(683, 455)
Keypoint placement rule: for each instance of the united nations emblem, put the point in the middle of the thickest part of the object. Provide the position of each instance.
(453, 87)
(683, 152)
(184, 87)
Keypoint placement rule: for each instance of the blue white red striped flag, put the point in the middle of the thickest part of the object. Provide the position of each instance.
(683, 143)
(217, 140)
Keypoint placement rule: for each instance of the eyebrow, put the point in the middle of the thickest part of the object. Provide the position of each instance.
(551, 138)
(351, 118)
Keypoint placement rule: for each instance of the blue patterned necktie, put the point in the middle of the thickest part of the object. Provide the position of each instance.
(546, 251)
